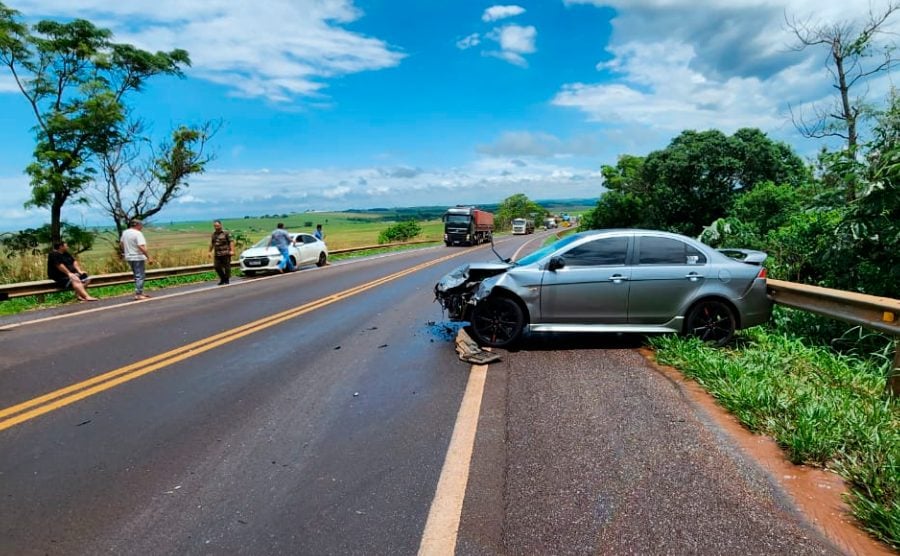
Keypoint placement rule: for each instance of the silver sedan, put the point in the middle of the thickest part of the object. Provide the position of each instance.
(624, 280)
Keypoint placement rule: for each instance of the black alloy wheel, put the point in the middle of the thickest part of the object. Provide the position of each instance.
(323, 259)
(712, 322)
(497, 322)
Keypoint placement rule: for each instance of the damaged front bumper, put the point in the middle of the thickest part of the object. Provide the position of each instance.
(463, 287)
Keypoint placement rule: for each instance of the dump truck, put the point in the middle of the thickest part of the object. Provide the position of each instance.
(522, 226)
(465, 225)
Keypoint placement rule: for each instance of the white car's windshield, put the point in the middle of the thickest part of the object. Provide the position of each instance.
(262, 243)
(546, 250)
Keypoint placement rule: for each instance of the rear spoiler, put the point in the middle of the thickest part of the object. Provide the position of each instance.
(748, 256)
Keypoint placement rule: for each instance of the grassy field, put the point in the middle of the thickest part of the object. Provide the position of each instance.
(187, 243)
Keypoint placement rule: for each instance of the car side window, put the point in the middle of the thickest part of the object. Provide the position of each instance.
(610, 251)
(668, 251)
(307, 238)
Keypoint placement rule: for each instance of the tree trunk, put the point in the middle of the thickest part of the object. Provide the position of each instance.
(56, 219)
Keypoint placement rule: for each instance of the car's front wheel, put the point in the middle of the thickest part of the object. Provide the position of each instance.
(497, 322)
(712, 322)
(323, 259)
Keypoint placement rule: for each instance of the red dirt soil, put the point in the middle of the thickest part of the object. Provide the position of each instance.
(818, 494)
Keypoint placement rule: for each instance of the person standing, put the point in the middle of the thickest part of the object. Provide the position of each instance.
(221, 245)
(282, 240)
(134, 249)
(63, 269)
(318, 233)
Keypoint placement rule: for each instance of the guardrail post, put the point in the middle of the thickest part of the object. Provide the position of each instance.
(893, 381)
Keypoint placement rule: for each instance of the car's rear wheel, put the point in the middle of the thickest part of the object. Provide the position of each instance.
(323, 259)
(497, 322)
(712, 322)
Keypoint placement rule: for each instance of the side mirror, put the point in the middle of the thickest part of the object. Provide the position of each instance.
(556, 263)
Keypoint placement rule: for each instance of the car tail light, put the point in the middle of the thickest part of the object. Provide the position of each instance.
(763, 273)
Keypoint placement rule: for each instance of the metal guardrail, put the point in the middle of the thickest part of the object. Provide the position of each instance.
(41, 287)
(869, 311)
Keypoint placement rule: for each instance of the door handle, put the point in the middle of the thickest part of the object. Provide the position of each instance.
(693, 276)
(617, 278)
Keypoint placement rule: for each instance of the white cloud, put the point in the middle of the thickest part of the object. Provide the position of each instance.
(495, 13)
(515, 38)
(468, 42)
(221, 194)
(660, 89)
(8, 83)
(279, 49)
(514, 41)
(541, 145)
(728, 65)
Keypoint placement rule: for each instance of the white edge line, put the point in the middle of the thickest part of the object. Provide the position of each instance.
(442, 526)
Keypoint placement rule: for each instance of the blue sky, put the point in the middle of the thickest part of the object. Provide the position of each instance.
(336, 104)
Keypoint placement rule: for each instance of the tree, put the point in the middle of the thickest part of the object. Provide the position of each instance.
(33, 241)
(849, 47)
(75, 80)
(138, 186)
(696, 178)
(517, 206)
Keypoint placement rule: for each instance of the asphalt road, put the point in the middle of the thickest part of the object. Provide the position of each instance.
(310, 413)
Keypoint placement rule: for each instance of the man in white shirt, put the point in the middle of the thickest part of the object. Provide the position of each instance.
(134, 250)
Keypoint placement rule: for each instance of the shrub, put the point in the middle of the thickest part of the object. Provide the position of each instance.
(401, 231)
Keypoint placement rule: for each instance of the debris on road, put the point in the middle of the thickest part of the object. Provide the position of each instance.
(470, 352)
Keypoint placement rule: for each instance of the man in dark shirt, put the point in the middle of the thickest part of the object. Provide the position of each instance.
(221, 245)
(63, 269)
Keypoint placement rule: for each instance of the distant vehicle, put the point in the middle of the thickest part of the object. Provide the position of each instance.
(550, 222)
(260, 258)
(467, 226)
(611, 281)
(522, 226)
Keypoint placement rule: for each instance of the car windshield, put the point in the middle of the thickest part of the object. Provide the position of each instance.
(546, 250)
(261, 243)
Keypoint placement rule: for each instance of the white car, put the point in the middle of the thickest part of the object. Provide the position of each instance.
(305, 250)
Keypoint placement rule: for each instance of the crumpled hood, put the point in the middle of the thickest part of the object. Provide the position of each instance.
(468, 273)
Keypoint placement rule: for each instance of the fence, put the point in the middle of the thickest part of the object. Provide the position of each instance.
(869, 311)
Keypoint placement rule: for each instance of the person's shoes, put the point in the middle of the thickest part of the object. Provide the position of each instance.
(91, 299)
(141, 296)
(221, 283)
(226, 282)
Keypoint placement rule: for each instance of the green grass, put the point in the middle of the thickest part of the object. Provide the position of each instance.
(823, 409)
(21, 304)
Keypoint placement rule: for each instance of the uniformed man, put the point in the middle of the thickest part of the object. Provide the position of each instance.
(222, 248)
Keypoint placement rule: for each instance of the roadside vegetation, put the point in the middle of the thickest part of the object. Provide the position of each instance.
(824, 408)
(814, 386)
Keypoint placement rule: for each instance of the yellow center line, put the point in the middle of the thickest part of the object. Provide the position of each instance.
(62, 397)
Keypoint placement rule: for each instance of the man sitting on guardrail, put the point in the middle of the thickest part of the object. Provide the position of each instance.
(63, 269)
